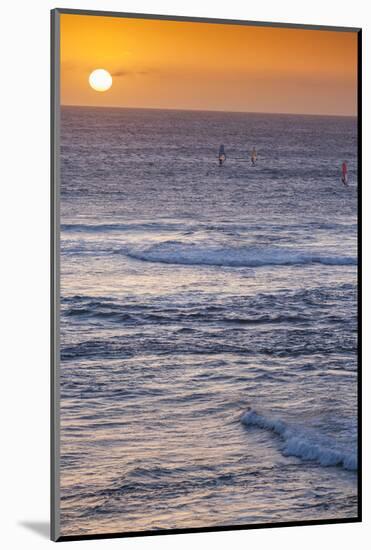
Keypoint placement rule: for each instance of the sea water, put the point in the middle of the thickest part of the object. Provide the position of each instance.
(208, 319)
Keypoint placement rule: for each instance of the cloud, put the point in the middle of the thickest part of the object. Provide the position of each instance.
(125, 72)
(74, 67)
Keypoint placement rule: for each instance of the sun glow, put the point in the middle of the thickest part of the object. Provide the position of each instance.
(100, 80)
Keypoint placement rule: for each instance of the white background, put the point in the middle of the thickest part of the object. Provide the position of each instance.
(24, 304)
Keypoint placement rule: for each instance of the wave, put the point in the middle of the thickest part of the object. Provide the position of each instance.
(208, 226)
(177, 252)
(303, 445)
(144, 314)
(107, 227)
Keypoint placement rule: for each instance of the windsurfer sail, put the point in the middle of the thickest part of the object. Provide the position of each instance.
(254, 156)
(222, 156)
(344, 172)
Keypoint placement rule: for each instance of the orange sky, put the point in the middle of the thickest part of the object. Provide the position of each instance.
(182, 65)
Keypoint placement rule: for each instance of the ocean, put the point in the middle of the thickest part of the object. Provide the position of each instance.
(208, 320)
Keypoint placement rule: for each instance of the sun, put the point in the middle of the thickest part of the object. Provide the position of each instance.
(100, 80)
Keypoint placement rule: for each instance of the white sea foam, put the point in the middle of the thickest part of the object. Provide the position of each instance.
(177, 252)
(306, 446)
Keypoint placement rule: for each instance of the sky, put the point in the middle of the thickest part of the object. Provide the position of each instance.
(208, 66)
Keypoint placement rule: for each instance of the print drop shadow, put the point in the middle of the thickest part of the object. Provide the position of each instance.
(41, 528)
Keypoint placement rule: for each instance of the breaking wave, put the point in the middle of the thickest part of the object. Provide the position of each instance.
(176, 252)
(303, 445)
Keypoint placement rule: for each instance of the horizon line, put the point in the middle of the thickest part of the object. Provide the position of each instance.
(206, 110)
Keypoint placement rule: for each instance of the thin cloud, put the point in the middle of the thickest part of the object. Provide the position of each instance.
(124, 72)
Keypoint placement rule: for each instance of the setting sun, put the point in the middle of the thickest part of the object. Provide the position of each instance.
(100, 80)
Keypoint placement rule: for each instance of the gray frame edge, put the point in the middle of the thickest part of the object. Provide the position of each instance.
(190, 19)
(54, 277)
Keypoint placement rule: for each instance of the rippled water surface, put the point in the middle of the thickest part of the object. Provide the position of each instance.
(208, 320)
